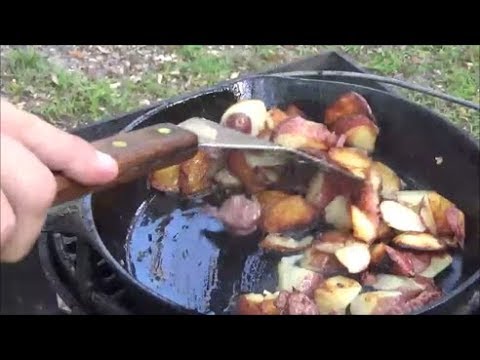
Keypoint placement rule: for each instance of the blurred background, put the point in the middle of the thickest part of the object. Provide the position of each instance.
(71, 86)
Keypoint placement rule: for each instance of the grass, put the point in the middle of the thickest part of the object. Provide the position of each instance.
(62, 95)
(69, 98)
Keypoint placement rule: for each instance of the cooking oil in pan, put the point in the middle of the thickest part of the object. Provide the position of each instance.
(182, 253)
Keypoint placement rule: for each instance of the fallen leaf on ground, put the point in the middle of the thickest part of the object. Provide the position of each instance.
(54, 78)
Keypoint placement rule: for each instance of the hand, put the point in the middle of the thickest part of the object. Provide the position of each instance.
(30, 150)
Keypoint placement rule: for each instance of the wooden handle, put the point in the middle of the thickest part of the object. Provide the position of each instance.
(137, 153)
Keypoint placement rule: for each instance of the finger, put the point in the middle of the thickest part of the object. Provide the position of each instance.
(30, 189)
(60, 151)
(7, 219)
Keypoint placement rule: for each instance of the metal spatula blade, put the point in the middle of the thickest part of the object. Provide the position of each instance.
(213, 135)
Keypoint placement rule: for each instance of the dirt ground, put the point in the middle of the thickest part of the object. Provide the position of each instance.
(72, 85)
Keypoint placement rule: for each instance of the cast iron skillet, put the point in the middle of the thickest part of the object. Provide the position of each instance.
(171, 253)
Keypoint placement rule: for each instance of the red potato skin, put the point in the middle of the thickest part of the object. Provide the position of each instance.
(309, 284)
(292, 111)
(369, 198)
(387, 259)
(407, 303)
(313, 135)
(295, 303)
(403, 264)
(456, 221)
(420, 262)
(367, 278)
(333, 236)
(239, 122)
(278, 247)
(348, 104)
(334, 185)
(399, 262)
(342, 139)
(325, 265)
(239, 215)
(367, 201)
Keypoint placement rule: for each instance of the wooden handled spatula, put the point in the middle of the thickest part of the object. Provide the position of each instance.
(141, 151)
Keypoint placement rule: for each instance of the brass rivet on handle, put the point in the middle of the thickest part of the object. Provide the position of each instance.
(164, 131)
(119, 143)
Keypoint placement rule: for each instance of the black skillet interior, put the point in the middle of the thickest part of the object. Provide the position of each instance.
(176, 253)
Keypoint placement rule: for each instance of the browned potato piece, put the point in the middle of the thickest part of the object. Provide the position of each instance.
(298, 133)
(400, 262)
(456, 220)
(439, 207)
(324, 187)
(322, 263)
(401, 217)
(257, 304)
(337, 213)
(335, 294)
(193, 176)
(292, 277)
(257, 158)
(331, 241)
(275, 117)
(354, 256)
(360, 131)
(354, 160)
(378, 253)
(419, 241)
(238, 167)
(438, 263)
(249, 304)
(387, 259)
(390, 183)
(399, 283)
(348, 104)
(247, 116)
(439, 215)
(371, 303)
(411, 198)
(363, 227)
(384, 231)
(226, 179)
(284, 244)
(369, 199)
(426, 215)
(449, 220)
(268, 198)
(166, 179)
(290, 213)
(391, 302)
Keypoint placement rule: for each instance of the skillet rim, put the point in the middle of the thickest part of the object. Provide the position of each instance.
(86, 207)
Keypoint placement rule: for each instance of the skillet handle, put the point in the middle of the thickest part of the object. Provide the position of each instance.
(378, 78)
(137, 153)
